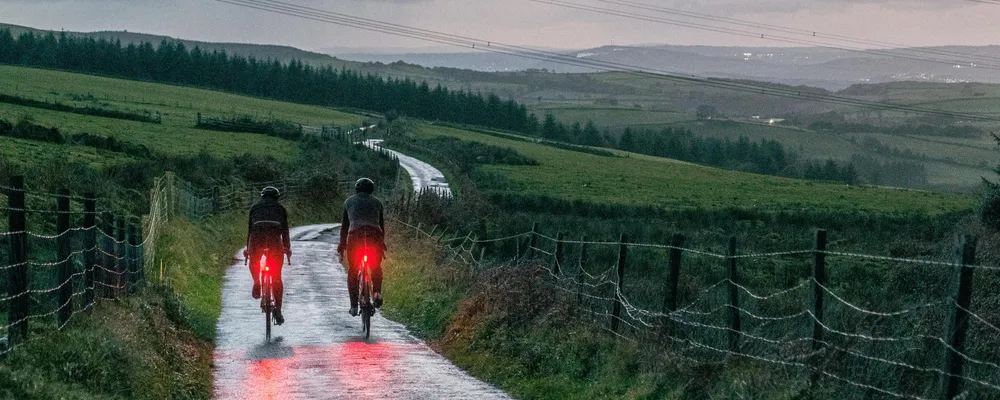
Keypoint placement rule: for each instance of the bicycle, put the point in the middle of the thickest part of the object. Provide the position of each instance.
(267, 305)
(366, 305)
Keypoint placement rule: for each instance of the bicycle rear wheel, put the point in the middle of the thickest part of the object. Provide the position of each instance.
(366, 319)
(267, 305)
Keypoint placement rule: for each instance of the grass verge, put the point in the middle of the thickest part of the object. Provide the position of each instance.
(513, 329)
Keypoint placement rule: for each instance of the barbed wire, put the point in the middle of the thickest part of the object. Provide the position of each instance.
(61, 262)
(58, 235)
(42, 291)
(874, 313)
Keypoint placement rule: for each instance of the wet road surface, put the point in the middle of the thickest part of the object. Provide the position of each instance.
(320, 353)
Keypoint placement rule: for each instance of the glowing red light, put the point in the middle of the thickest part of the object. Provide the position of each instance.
(366, 258)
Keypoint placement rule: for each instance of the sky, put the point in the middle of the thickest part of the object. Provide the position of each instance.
(521, 22)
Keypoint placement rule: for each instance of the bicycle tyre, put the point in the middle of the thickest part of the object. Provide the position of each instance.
(267, 309)
(366, 317)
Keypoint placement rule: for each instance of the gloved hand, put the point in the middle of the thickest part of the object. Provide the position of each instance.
(246, 256)
(288, 253)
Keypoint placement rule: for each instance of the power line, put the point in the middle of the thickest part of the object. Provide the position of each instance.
(524, 52)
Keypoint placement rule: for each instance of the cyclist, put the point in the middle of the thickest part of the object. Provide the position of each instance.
(362, 223)
(268, 230)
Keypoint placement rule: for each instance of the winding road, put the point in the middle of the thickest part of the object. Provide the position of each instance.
(423, 175)
(319, 353)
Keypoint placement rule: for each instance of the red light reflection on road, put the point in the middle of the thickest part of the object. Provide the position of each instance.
(363, 368)
(268, 379)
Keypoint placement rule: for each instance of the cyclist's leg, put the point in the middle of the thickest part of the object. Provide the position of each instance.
(255, 273)
(353, 263)
(377, 271)
(255, 266)
(277, 286)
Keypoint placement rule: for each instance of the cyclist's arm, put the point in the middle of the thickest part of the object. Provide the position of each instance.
(381, 218)
(249, 227)
(284, 231)
(345, 227)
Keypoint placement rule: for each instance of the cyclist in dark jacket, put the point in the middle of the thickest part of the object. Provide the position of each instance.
(362, 224)
(268, 232)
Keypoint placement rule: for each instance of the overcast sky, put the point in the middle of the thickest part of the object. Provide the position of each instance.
(524, 22)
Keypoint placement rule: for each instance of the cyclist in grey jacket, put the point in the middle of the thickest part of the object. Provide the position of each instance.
(363, 225)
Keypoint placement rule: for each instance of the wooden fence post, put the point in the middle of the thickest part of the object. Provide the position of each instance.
(819, 281)
(17, 321)
(121, 278)
(670, 294)
(622, 258)
(734, 299)
(132, 259)
(557, 259)
(64, 251)
(533, 241)
(140, 257)
(90, 247)
(579, 272)
(960, 321)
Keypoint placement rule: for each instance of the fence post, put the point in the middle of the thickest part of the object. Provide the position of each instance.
(103, 280)
(670, 294)
(90, 247)
(579, 272)
(121, 278)
(417, 233)
(819, 281)
(140, 258)
(960, 322)
(132, 259)
(64, 251)
(18, 275)
(533, 241)
(622, 258)
(734, 299)
(558, 257)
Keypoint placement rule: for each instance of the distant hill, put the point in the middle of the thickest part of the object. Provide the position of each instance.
(832, 69)
(259, 51)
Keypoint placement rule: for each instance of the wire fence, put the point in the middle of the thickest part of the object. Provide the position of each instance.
(842, 325)
(65, 252)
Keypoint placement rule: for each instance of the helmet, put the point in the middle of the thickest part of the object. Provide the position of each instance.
(364, 185)
(271, 192)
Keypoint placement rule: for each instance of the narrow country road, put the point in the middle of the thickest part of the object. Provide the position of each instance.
(319, 353)
(423, 175)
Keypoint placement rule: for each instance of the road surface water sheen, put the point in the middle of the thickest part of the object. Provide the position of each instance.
(320, 353)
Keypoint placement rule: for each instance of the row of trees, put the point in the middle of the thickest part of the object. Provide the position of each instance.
(172, 62)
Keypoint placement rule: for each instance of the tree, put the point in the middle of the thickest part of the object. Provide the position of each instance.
(705, 111)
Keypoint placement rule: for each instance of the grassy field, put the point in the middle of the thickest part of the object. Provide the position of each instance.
(178, 107)
(659, 182)
(20, 152)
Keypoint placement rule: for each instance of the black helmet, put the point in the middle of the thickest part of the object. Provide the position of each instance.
(364, 185)
(271, 192)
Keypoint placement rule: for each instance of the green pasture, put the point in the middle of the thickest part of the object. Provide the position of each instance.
(20, 152)
(178, 106)
(652, 181)
(178, 103)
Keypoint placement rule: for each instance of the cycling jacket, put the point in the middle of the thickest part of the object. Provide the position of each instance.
(268, 226)
(362, 214)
